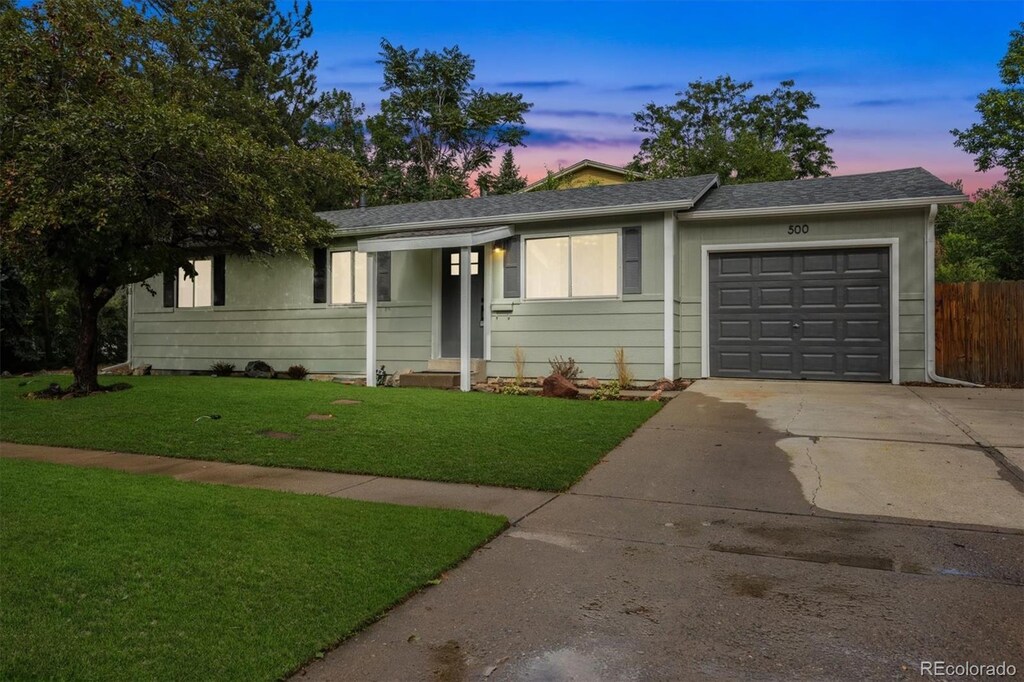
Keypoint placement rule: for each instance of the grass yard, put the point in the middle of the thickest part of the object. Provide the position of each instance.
(515, 441)
(107, 575)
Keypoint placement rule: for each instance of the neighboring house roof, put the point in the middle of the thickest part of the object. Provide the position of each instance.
(908, 186)
(633, 197)
(565, 174)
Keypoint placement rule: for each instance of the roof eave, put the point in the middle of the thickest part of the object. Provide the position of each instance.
(535, 217)
(805, 209)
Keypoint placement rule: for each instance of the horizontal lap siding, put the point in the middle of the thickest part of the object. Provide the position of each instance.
(587, 331)
(270, 316)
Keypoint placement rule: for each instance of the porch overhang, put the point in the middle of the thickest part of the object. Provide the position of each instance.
(455, 237)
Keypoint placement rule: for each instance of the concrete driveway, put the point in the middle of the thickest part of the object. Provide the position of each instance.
(762, 530)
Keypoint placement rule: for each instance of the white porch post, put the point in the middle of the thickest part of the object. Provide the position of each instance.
(371, 319)
(465, 318)
(669, 370)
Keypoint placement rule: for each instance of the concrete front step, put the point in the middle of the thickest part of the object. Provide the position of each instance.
(429, 380)
(476, 365)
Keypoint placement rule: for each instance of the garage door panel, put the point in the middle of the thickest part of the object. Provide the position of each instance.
(813, 314)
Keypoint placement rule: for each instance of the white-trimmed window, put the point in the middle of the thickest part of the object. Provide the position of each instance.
(197, 292)
(580, 266)
(348, 277)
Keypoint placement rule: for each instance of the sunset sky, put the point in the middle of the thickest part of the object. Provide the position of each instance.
(891, 78)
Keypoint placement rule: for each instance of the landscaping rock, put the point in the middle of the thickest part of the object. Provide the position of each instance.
(142, 370)
(257, 369)
(656, 395)
(593, 383)
(662, 384)
(557, 386)
(5, 374)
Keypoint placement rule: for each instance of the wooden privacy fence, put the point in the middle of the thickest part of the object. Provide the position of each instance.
(979, 331)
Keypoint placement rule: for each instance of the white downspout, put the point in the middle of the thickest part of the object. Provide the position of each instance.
(929, 304)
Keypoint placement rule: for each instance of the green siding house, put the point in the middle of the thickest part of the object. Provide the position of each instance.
(827, 279)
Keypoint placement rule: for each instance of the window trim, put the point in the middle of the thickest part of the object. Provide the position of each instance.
(330, 278)
(179, 275)
(523, 274)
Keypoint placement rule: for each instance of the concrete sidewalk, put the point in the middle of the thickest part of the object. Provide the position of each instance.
(510, 503)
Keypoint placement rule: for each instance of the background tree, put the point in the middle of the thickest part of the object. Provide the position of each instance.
(435, 130)
(507, 181)
(982, 239)
(134, 137)
(998, 140)
(720, 127)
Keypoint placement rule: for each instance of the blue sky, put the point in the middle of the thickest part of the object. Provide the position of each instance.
(891, 78)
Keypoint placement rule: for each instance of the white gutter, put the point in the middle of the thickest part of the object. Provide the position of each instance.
(535, 216)
(435, 241)
(839, 207)
(929, 304)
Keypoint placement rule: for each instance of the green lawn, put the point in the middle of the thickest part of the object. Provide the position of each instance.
(517, 441)
(107, 575)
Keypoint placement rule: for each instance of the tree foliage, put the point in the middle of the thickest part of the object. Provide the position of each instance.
(136, 136)
(721, 127)
(507, 180)
(998, 139)
(435, 131)
(982, 239)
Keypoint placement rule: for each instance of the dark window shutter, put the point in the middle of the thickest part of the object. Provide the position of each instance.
(218, 280)
(384, 276)
(319, 275)
(511, 280)
(631, 283)
(169, 278)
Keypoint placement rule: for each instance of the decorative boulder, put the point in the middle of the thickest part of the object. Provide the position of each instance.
(257, 369)
(662, 384)
(592, 382)
(656, 395)
(142, 370)
(557, 386)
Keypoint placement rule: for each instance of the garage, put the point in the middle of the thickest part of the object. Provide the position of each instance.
(821, 314)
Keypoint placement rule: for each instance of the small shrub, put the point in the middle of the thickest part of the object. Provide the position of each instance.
(513, 388)
(297, 372)
(564, 367)
(624, 375)
(609, 391)
(519, 361)
(222, 369)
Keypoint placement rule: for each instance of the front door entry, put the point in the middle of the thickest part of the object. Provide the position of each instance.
(451, 270)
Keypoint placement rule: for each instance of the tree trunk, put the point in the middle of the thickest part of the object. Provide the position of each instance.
(86, 368)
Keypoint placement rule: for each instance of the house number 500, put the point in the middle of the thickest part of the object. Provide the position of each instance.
(799, 229)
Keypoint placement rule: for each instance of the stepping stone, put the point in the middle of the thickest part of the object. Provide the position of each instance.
(278, 435)
(319, 417)
(345, 401)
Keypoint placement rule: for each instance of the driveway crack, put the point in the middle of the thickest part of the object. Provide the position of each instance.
(799, 409)
(817, 473)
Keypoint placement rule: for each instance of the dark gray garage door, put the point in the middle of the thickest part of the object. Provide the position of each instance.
(813, 314)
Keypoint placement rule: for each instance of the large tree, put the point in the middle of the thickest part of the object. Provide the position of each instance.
(998, 139)
(506, 181)
(435, 130)
(136, 136)
(982, 239)
(721, 127)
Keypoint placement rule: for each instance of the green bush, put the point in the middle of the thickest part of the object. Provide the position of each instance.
(609, 391)
(222, 369)
(297, 372)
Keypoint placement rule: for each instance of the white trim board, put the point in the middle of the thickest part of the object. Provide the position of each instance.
(435, 241)
(894, 287)
(804, 209)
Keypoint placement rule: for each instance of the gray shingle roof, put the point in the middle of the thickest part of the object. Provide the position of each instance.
(908, 183)
(507, 208)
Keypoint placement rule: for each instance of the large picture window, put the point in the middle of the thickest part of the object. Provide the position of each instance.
(348, 277)
(197, 292)
(581, 266)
